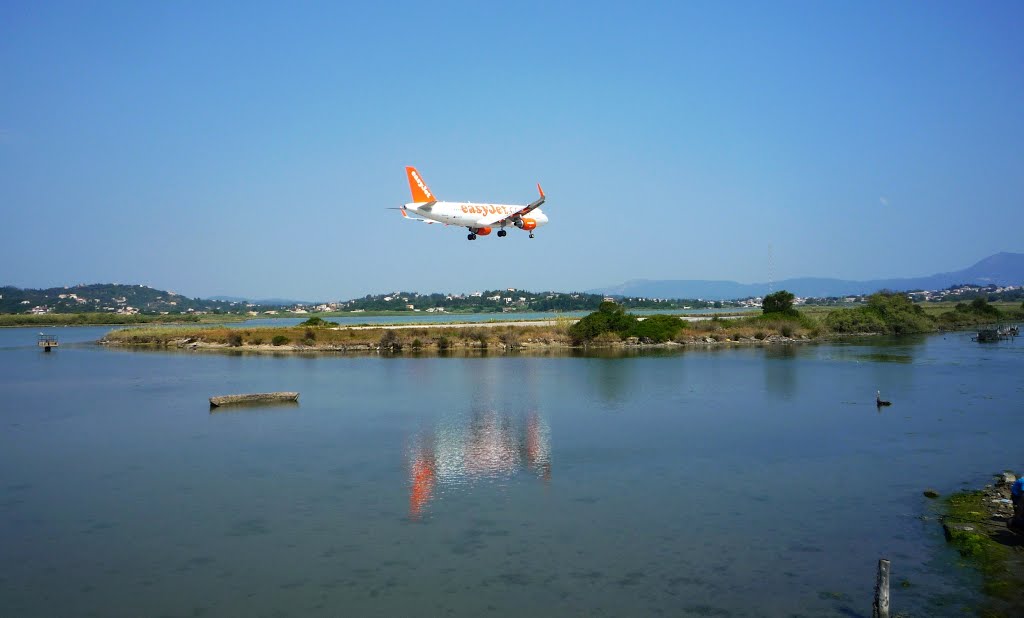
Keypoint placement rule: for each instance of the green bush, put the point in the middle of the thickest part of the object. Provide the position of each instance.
(443, 343)
(886, 312)
(900, 315)
(235, 339)
(279, 340)
(980, 306)
(317, 322)
(978, 311)
(656, 328)
(417, 344)
(857, 320)
(609, 317)
(310, 334)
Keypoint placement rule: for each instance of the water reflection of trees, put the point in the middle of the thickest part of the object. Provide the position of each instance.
(612, 377)
(486, 445)
(890, 361)
(780, 369)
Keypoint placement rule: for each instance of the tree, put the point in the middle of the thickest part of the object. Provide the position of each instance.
(657, 328)
(980, 306)
(900, 315)
(779, 302)
(609, 317)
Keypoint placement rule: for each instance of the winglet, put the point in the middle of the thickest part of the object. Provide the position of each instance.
(420, 192)
(541, 190)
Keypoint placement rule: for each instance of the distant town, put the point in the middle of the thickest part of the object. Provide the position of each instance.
(140, 299)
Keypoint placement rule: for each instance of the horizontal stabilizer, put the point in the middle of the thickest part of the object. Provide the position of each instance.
(408, 218)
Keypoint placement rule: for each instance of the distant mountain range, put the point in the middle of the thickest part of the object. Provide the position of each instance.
(998, 269)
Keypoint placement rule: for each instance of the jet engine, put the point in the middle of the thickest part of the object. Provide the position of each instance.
(526, 224)
(482, 231)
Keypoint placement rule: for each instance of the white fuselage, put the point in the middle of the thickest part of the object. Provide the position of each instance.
(468, 214)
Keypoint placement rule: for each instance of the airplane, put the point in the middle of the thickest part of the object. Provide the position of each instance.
(479, 219)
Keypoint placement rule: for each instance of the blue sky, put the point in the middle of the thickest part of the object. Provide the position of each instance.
(252, 149)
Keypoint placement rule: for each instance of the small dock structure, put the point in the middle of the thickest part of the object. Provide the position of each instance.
(47, 342)
(254, 399)
(990, 335)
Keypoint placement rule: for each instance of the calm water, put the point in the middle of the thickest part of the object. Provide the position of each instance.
(426, 318)
(746, 482)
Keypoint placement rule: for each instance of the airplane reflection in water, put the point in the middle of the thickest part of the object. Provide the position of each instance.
(492, 445)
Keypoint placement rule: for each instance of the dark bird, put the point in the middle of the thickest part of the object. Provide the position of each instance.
(879, 401)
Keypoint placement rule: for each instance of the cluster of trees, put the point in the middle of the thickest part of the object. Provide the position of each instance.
(893, 313)
(886, 312)
(611, 320)
(975, 312)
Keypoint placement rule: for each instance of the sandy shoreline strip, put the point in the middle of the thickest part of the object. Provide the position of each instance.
(688, 318)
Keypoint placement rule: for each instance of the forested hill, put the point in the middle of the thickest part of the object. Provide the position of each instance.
(107, 297)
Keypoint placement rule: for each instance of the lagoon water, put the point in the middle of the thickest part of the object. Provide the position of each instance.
(725, 482)
(429, 318)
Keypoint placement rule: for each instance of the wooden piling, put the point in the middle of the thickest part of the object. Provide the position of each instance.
(880, 609)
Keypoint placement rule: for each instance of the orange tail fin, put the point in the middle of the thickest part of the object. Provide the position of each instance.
(420, 191)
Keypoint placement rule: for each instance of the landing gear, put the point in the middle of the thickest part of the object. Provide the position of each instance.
(471, 236)
(531, 234)
(501, 233)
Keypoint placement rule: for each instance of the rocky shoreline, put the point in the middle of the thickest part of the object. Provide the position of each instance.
(461, 346)
(989, 536)
(997, 514)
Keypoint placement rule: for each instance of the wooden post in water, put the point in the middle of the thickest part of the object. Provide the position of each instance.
(880, 609)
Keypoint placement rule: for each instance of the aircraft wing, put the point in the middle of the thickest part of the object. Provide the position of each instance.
(522, 212)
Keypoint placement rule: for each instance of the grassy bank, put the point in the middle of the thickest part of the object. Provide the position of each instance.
(609, 326)
(91, 319)
(271, 338)
(496, 336)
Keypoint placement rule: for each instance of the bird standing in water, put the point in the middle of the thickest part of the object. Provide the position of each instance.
(879, 401)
